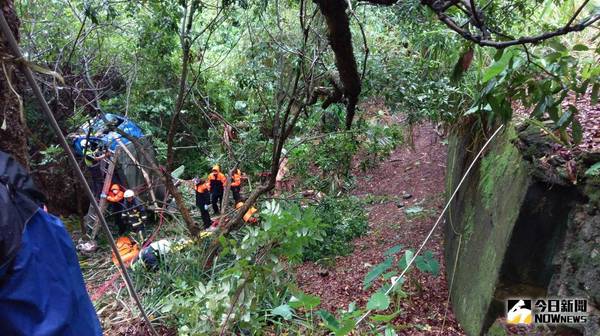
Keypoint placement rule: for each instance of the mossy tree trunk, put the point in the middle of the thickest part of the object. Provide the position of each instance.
(13, 138)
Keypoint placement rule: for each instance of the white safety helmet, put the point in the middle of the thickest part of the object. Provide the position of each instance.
(83, 143)
(129, 193)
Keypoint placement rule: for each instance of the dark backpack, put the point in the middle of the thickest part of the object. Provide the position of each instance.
(19, 201)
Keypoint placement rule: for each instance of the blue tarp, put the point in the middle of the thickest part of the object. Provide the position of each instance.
(42, 292)
(101, 135)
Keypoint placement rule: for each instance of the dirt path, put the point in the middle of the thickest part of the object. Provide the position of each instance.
(419, 172)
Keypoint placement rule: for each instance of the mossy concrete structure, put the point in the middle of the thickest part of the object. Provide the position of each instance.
(511, 226)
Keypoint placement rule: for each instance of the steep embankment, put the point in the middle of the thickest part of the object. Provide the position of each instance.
(419, 172)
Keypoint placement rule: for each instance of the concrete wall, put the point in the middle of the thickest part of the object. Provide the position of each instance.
(520, 227)
(481, 220)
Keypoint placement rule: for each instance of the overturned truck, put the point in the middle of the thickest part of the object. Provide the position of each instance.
(126, 164)
(526, 224)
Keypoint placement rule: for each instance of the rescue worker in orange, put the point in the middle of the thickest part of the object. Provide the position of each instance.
(249, 215)
(128, 249)
(203, 200)
(236, 185)
(217, 181)
(115, 204)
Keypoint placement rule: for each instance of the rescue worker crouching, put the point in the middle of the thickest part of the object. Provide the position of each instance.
(115, 198)
(134, 212)
(217, 181)
(203, 200)
(153, 255)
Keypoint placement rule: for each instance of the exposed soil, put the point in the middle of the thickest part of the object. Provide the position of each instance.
(417, 171)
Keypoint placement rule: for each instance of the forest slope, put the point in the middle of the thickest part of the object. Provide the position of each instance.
(419, 172)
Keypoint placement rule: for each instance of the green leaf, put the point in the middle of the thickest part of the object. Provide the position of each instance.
(553, 112)
(472, 110)
(556, 45)
(413, 210)
(393, 250)
(378, 301)
(501, 106)
(389, 331)
(398, 285)
(498, 54)
(384, 318)
(553, 57)
(301, 300)
(428, 264)
(594, 170)
(330, 322)
(566, 117)
(347, 326)
(376, 272)
(284, 311)
(403, 263)
(489, 87)
(497, 67)
(580, 47)
(178, 172)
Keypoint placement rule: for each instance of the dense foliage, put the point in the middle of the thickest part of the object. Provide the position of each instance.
(242, 285)
(343, 219)
(213, 82)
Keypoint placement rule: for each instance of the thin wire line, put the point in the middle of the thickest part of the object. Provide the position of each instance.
(396, 280)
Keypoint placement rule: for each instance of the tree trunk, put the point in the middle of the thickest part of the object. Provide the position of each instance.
(186, 30)
(13, 138)
(340, 39)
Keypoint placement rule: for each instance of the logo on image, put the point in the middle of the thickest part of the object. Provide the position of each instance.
(547, 311)
(519, 312)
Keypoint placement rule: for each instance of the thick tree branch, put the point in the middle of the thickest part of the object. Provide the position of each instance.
(340, 39)
(476, 19)
(520, 41)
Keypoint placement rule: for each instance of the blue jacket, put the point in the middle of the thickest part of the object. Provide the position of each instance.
(41, 286)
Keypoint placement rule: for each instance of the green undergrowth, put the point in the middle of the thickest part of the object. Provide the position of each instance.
(344, 218)
(235, 290)
(252, 274)
(382, 308)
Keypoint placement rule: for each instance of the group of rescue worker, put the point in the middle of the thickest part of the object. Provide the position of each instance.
(210, 191)
(129, 213)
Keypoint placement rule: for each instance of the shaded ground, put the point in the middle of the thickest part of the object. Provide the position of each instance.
(419, 172)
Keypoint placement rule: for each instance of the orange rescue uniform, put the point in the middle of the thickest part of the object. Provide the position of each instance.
(248, 215)
(236, 178)
(115, 197)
